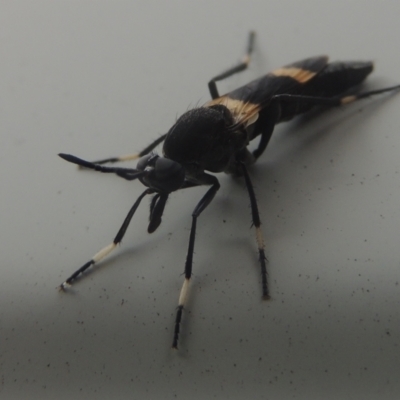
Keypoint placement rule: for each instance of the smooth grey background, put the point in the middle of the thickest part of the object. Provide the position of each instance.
(103, 78)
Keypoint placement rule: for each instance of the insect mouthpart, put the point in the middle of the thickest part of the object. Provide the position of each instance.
(164, 175)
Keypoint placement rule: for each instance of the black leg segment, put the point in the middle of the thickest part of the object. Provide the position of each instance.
(266, 124)
(212, 85)
(156, 211)
(203, 203)
(259, 236)
(330, 101)
(108, 249)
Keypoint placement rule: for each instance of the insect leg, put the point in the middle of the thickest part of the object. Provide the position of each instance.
(212, 85)
(133, 156)
(203, 203)
(126, 173)
(358, 96)
(157, 206)
(331, 101)
(108, 249)
(266, 124)
(259, 236)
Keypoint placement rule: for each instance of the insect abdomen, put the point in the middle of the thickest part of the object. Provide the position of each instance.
(337, 78)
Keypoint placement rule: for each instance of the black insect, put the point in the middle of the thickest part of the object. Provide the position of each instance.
(214, 138)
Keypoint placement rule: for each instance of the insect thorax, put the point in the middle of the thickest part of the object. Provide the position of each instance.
(205, 138)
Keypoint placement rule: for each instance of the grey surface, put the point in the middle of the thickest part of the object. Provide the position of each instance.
(104, 78)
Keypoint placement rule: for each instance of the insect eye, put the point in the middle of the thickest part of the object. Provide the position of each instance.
(164, 175)
(169, 175)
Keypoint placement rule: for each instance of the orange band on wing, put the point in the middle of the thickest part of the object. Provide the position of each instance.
(299, 74)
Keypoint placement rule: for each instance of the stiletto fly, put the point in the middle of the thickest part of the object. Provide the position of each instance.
(214, 138)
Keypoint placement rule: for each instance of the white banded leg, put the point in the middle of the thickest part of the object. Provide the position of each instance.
(259, 235)
(109, 248)
(179, 312)
(204, 202)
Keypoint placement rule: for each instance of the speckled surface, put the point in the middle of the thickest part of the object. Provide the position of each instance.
(98, 79)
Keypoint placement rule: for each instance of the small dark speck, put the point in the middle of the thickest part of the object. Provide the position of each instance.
(387, 333)
(224, 221)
